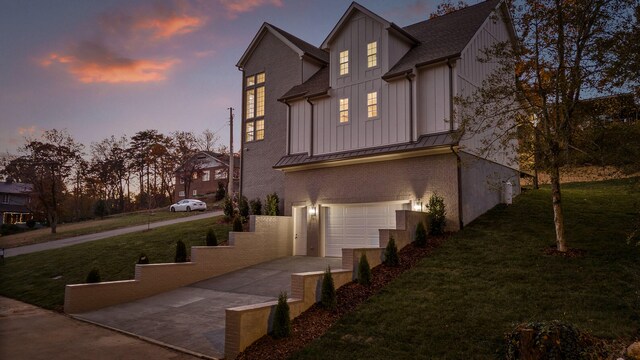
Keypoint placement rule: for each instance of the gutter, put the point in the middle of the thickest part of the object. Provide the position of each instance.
(459, 169)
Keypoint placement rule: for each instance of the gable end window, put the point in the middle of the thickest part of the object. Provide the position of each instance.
(254, 107)
(372, 54)
(344, 110)
(372, 105)
(344, 62)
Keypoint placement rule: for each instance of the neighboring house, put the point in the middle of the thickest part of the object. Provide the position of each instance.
(14, 203)
(202, 173)
(609, 109)
(362, 126)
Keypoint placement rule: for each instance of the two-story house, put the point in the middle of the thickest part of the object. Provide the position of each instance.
(364, 125)
(14, 203)
(203, 173)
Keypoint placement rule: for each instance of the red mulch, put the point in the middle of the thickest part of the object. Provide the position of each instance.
(314, 322)
(570, 253)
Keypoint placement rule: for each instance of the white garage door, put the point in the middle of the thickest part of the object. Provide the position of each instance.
(356, 226)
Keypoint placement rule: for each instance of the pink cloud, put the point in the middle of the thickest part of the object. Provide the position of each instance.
(235, 7)
(27, 131)
(165, 28)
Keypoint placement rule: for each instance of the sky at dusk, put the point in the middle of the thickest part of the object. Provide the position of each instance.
(115, 67)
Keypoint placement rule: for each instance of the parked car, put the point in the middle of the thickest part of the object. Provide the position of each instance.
(188, 205)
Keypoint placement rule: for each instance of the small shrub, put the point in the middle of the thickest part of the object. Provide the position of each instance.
(221, 192)
(31, 223)
(256, 206)
(181, 252)
(10, 229)
(364, 271)
(281, 319)
(437, 214)
(391, 253)
(243, 208)
(101, 210)
(212, 240)
(328, 297)
(421, 235)
(227, 207)
(143, 259)
(93, 276)
(273, 204)
(237, 224)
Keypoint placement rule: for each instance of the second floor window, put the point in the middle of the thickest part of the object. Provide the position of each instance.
(372, 104)
(372, 54)
(206, 175)
(254, 107)
(344, 62)
(344, 110)
(5, 198)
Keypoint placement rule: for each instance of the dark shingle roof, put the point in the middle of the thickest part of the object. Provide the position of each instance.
(444, 36)
(304, 46)
(15, 188)
(423, 143)
(318, 83)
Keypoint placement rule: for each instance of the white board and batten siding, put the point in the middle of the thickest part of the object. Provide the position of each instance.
(300, 127)
(434, 100)
(356, 226)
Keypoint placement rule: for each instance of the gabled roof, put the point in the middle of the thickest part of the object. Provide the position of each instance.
(443, 37)
(15, 188)
(317, 84)
(301, 47)
(357, 7)
(425, 142)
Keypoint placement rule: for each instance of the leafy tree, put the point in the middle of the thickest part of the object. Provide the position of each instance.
(446, 7)
(540, 79)
(221, 191)
(181, 252)
(281, 318)
(227, 208)
(273, 205)
(421, 235)
(47, 164)
(101, 209)
(328, 297)
(364, 271)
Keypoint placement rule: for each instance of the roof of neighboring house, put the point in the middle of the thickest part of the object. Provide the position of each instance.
(15, 188)
(223, 159)
(424, 142)
(14, 208)
(438, 39)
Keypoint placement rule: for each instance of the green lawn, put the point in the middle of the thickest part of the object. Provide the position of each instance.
(33, 278)
(459, 302)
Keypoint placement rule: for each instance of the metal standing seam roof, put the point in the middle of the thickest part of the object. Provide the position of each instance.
(423, 143)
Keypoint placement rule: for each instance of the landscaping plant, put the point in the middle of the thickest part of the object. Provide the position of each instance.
(421, 235)
(328, 297)
(364, 271)
(281, 318)
(227, 207)
(437, 214)
(143, 259)
(391, 253)
(181, 252)
(243, 208)
(101, 209)
(273, 204)
(93, 276)
(221, 191)
(211, 238)
(237, 224)
(256, 206)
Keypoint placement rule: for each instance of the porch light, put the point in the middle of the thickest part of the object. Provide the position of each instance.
(312, 210)
(417, 205)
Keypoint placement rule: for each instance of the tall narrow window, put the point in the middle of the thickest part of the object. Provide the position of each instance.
(255, 107)
(344, 62)
(372, 54)
(344, 110)
(206, 175)
(372, 104)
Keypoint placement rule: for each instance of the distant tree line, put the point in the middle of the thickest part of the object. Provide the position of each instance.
(117, 174)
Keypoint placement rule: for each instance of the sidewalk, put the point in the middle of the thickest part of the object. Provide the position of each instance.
(29, 332)
(102, 235)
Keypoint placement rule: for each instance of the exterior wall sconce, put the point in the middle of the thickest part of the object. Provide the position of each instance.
(312, 210)
(417, 205)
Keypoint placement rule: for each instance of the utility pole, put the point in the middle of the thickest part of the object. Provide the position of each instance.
(231, 159)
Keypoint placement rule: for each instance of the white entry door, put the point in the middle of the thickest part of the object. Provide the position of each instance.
(300, 230)
(356, 226)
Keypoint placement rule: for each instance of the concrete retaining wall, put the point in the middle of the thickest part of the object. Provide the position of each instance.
(271, 240)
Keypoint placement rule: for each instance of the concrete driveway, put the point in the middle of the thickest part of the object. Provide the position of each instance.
(193, 317)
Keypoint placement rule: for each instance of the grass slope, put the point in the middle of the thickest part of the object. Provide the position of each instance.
(32, 278)
(458, 303)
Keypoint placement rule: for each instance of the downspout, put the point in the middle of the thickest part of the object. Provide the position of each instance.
(408, 76)
(288, 127)
(459, 169)
(311, 129)
(450, 94)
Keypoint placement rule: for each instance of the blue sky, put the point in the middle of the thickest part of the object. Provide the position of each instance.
(115, 67)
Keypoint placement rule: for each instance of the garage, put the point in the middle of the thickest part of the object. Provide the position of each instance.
(356, 226)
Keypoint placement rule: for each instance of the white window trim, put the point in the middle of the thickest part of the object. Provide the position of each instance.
(377, 108)
(340, 63)
(181, 193)
(340, 111)
(206, 175)
(375, 55)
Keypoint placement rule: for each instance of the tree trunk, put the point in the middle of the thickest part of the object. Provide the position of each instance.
(558, 217)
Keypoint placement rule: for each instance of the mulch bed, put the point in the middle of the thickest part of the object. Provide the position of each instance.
(314, 322)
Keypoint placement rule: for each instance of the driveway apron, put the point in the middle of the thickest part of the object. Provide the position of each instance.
(193, 317)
